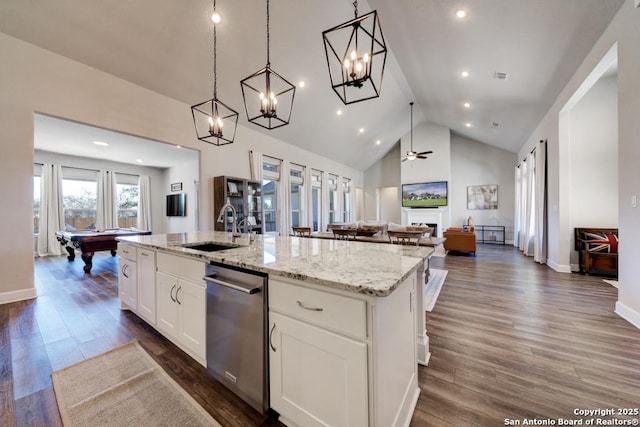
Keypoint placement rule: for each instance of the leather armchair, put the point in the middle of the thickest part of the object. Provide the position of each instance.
(458, 240)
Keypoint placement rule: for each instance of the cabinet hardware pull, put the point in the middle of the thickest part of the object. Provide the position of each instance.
(144, 254)
(410, 302)
(124, 270)
(177, 300)
(309, 308)
(171, 293)
(270, 335)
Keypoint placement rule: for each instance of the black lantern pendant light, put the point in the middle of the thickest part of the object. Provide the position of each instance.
(356, 54)
(268, 97)
(215, 122)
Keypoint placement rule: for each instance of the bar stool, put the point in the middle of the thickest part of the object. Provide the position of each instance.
(345, 233)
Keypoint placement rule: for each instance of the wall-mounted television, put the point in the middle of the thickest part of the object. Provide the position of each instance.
(177, 204)
(424, 195)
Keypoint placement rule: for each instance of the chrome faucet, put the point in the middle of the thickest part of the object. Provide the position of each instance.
(244, 222)
(234, 230)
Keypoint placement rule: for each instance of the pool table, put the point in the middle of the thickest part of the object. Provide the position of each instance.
(91, 241)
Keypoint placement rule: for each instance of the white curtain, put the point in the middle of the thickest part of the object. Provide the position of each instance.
(540, 229)
(517, 225)
(143, 221)
(51, 210)
(325, 206)
(284, 199)
(106, 213)
(255, 164)
(529, 205)
(305, 202)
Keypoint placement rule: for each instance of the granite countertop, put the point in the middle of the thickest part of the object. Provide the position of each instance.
(361, 267)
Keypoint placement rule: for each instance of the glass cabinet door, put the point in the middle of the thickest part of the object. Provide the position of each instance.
(235, 196)
(254, 206)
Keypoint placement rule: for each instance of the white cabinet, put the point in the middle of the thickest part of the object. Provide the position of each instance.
(181, 303)
(342, 359)
(128, 276)
(318, 378)
(146, 263)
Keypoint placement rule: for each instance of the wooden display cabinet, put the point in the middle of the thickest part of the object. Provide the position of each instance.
(246, 197)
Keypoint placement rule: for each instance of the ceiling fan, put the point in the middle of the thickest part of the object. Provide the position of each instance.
(412, 155)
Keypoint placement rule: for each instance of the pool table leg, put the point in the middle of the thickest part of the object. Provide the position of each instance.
(87, 257)
(72, 252)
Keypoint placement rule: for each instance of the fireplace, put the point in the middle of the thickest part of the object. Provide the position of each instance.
(428, 224)
(436, 218)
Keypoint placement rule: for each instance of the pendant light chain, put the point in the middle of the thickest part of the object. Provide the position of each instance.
(268, 36)
(355, 6)
(411, 103)
(215, 59)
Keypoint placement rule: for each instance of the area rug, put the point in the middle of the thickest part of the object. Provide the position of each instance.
(433, 287)
(124, 387)
(612, 282)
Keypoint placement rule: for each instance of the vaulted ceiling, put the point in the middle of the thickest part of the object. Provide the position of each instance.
(166, 46)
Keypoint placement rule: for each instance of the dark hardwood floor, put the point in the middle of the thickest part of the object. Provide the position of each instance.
(509, 339)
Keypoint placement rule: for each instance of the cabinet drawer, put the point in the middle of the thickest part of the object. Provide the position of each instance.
(334, 312)
(127, 251)
(182, 267)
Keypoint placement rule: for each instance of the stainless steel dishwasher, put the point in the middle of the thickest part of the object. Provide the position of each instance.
(237, 331)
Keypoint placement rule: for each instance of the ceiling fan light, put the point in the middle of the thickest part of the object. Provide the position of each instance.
(411, 155)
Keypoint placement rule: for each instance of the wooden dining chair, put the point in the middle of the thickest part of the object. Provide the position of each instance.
(405, 237)
(301, 231)
(344, 233)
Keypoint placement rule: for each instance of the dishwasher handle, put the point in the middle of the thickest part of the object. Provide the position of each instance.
(250, 291)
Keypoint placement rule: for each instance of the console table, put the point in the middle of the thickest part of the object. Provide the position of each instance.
(490, 234)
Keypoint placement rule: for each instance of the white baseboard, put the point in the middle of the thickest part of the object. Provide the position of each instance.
(21, 295)
(628, 314)
(423, 350)
(560, 268)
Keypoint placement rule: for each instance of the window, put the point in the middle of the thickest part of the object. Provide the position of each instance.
(346, 199)
(127, 205)
(296, 188)
(270, 183)
(333, 198)
(79, 198)
(316, 200)
(36, 204)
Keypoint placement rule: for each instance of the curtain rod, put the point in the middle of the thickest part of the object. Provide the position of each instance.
(88, 169)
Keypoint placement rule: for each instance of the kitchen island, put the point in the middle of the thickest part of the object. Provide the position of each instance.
(345, 318)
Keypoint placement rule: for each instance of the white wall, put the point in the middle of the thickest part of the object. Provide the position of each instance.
(382, 174)
(625, 30)
(187, 174)
(475, 163)
(437, 167)
(593, 152)
(36, 80)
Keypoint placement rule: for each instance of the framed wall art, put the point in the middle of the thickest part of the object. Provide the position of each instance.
(482, 197)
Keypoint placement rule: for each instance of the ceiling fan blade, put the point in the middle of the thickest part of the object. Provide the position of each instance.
(404, 160)
(421, 157)
(424, 152)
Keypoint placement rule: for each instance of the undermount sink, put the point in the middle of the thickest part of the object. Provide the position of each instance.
(210, 247)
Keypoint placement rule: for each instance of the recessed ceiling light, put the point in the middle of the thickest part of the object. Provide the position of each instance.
(301, 83)
(464, 74)
(216, 18)
(178, 146)
(378, 142)
(468, 125)
(139, 160)
(101, 143)
(461, 13)
(361, 130)
(339, 112)
(467, 105)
